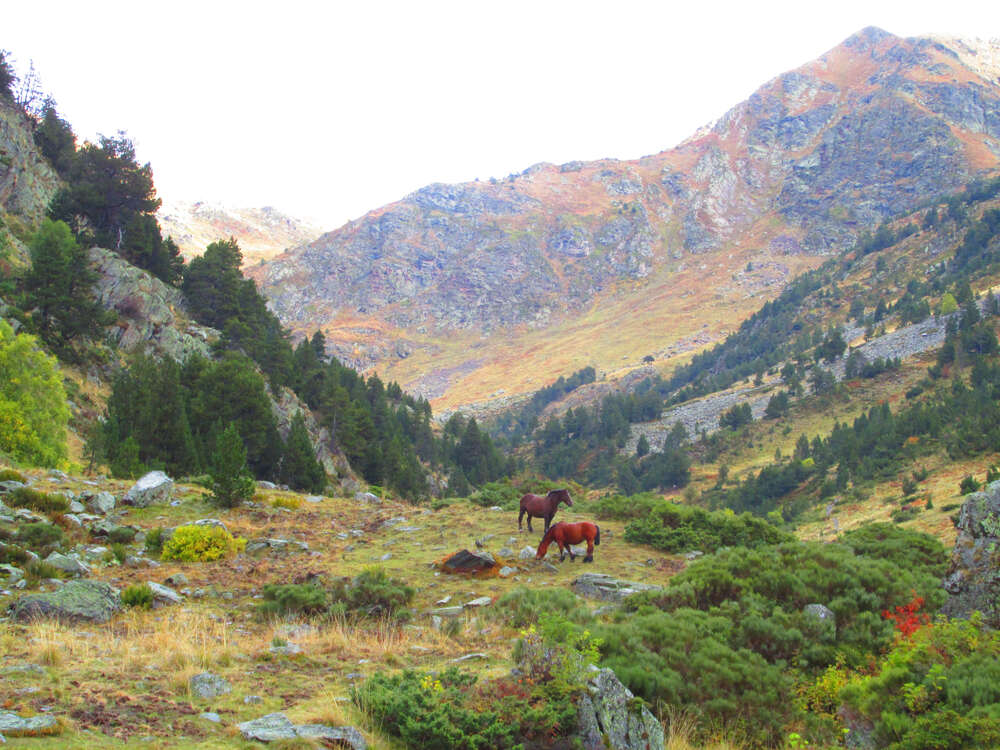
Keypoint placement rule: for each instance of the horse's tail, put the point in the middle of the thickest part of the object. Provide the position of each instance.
(597, 535)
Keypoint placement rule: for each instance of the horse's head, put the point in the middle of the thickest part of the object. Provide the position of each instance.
(561, 496)
(543, 546)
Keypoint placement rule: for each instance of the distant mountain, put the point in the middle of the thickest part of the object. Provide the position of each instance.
(477, 291)
(262, 232)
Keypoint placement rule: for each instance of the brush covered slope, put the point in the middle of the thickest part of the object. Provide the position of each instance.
(601, 263)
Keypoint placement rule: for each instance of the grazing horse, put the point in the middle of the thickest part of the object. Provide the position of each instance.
(542, 507)
(564, 534)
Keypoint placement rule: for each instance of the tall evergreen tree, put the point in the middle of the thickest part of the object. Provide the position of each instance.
(299, 468)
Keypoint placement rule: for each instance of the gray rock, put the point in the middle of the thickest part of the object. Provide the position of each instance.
(104, 528)
(505, 552)
(77, 507)
(163, 595)
(289, 649)
(9, 575)
(339, 736)
(275, 546)
(15, 725)
(206, 685)
(609, 716)
(506, 571)
(973, 577)
(447, 612)
(264, 485)
(10, 486)
(68, 564)
(72, 518)
(153, 488)
(101, 503)
(268, 728)
(210, 716)
(469, 562)
(367, 497)
(482, 601)
(478, 656)
(820, 612)
(177, 579)
(526, 553)
(608, 588)
(77, 601)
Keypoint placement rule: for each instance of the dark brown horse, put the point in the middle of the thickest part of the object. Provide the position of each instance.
(564, 534)
(542, 506)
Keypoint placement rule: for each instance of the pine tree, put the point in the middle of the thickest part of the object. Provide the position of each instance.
(231, 480)
(299, 468)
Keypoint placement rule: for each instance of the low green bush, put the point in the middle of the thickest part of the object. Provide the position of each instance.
(624, 507)
(373, 593)
(12, 554)
(12, 475)
(122, 535)
(672, 527)
(451, 711)
(281, 600)
(522, 606)
(138, 595)
(42, 538)
(39, 570)
(201, 544)
(154, 541)
(28, 497)
(937, 689)
(501, 494)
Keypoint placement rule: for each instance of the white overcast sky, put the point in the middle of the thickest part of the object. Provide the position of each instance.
(326, 110)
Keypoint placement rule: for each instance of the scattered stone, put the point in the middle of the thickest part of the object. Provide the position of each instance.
(338, 736)
(275, 546)
(10, 574)
(102, 503)
(77, 507)
(72, 518)
(289, 649)
(68, 564)
(506, 571)
(268, 728)
(154, 487)
(482, 601)
(547, 567)
(527, 553)
(314, 499)
(210, 716)
(505, 552)
(469, 562)
(29, 516)
(386, 557)
(608, 588)
(77, 601)
(367, 497)
(693, 554)
(251, 700)
(177, 579)
(821, 612)
(30, 726)
(264, 485)
(163, 595)
(470, 657)
(10, 486)
(447, 611)
(444, 600)
(206, 685)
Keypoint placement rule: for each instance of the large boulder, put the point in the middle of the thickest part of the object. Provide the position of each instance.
(609, 716)
(68, 564)
(100, 503)
(275, 727)
(77, 601)
(155, 487)
(469, 562)
(973, 578)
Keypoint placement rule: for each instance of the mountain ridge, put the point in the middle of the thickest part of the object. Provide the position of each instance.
(814, 157)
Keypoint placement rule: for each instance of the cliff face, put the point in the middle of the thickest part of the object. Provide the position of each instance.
(815, 156)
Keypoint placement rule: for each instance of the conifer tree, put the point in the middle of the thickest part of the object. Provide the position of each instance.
(231, 479)
(299, 468)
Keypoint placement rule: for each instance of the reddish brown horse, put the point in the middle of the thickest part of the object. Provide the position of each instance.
(542, 506)
(564, 534)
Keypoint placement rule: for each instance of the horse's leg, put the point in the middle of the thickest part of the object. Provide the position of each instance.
(548, 521)
(590, 551)
(521, 516)
(530, 530)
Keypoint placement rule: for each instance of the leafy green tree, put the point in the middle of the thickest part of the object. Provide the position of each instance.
(58, 288)
(231, 480)
(33, 410)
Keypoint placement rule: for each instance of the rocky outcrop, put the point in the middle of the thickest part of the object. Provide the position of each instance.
(151, 314)
(277, 726)
(610, 716)
(973, 578)
(608, 588)
(151, 489)
(27, 180)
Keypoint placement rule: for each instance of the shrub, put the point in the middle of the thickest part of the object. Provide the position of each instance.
(939, 688)
(201, 544)
(557, 652)
(451, 711)
(293, 599)
(11, 554)
(290, 502)
(522, 606)
(41, 537)
(11, 475)
(39, 570)
(138, 595)
(911, 550)
(122, 535)
(231, 479)
(374, 594)
(154, 541)
(676, 528)
(27, 497)
(119, 551)
(497, 493)
(968, 484)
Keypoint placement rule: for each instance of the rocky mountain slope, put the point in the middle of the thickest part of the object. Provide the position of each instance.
(261, 232)
(604, 262)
